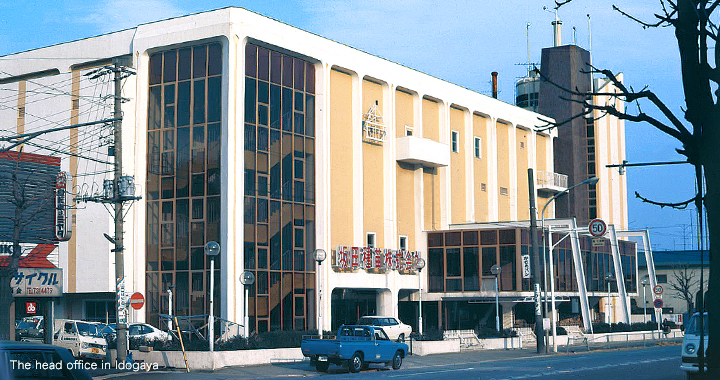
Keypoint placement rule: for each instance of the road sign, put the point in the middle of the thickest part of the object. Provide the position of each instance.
(526, 266)
(598, 242)
(137, 301)
(658, 303)
(30, 307)
(658, 289)
(597, 227)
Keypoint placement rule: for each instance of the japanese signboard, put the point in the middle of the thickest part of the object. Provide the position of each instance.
(62, 212)
(374, 259)
(526, 266)
(37, 282)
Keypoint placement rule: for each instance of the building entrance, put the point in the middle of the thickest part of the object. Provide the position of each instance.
(349, 305)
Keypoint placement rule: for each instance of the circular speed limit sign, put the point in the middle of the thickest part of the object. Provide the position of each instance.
(597, 227)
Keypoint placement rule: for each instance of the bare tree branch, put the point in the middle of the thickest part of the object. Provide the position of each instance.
(666, 19)
(678, 205)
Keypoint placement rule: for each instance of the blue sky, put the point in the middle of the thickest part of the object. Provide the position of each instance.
(461, 41)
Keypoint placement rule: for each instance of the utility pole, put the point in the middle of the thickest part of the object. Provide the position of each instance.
(119, 261)
(539, 330)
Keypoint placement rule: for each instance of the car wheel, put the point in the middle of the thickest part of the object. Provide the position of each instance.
(401, 338)
(356, 362)
(322, 366)
(397, 360)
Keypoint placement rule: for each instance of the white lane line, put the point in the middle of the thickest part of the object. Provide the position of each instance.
(605, 366)
(431, 372)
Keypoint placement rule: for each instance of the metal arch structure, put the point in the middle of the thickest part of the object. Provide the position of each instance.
(569, 226)
(619, 278)
(650, 263)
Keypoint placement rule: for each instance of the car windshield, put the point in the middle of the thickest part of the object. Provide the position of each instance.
(366, 321)
(694, 327)
(87, 329)
(25, 325)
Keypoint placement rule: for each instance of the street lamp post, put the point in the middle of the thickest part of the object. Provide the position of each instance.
(419, 265)
(589, 181)
(247, 278)
(645, 281)
(170, 306)
(496, 269)
(319, 255)
(212, 249)
(609, 278)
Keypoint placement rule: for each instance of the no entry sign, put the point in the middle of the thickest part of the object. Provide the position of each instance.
(137, 301)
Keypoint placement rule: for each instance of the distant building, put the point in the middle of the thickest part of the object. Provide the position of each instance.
(585, 145)
(673, 270)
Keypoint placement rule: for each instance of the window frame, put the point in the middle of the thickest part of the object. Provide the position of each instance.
(374, 240)
(477, 147)
(454, 141)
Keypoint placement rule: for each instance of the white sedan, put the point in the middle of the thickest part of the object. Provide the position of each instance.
(148, 332)
(394, 329)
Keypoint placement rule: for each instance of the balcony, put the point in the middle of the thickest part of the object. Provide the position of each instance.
(551, 182)
(420, 151)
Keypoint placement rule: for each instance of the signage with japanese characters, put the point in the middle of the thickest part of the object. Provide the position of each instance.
(526, 266)
(374, 259)
(37, 282)
(63, 227)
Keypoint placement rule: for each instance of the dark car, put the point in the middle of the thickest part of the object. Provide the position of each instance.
(30, 329)
(22, 360)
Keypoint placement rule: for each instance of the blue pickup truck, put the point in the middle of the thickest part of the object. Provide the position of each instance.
(356, 345)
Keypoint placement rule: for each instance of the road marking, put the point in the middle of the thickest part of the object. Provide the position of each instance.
(605, 366)
(431, 372)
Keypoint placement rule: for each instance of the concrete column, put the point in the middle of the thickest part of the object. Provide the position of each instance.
(507, 315)
(387, 302)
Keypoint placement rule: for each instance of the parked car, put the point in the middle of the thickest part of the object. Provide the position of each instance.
(30, 329)
(394, 329)
(147, 332)
(690, 363)
(82, 339)
(107, 331)
(356, 345)
(40, 361)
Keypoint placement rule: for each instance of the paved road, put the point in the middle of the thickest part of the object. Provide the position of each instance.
(661, 363)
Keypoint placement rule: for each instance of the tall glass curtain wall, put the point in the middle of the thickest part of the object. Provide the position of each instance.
(279, 189)
(183, 178)
(461, 261)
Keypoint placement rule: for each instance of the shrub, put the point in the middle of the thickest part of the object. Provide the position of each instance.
(620, 327)
(431, 334)
(601, 327)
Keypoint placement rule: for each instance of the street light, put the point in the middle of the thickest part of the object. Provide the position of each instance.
(212, 249)
(645, 282)
(589, 181)
(247, 279)
(419, 265)
(319, 255)
(496, 270)
(609, 279)
(170, 306)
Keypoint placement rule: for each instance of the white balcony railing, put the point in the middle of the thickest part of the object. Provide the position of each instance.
(552, 182)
